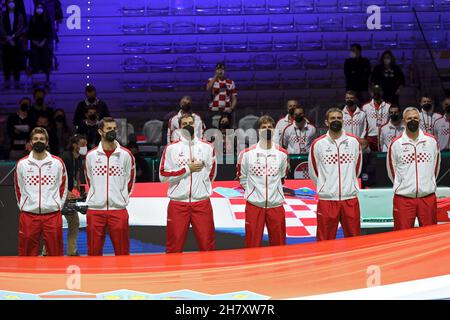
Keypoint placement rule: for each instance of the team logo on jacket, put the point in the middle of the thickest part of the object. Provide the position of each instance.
(301, 171)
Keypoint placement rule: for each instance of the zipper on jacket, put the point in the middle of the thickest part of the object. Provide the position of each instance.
(339, 170)
(107, 183)
(417, 171)
(267, 184)
(40, 191)
(190, 176)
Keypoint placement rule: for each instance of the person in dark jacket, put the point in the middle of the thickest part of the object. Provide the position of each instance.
(61, 131)
(19, 130)
(357, 71)
(91, 100)
(389, 76)
(89, 127)
(142, 168)
(40, 34)
(13, 24)
(39, 108)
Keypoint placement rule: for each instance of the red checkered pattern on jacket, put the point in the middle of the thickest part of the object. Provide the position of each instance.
(222, 91)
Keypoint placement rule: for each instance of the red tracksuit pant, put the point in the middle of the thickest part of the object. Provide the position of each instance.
(34, 226)
(373, 143)
(182, 214)
(255, 220)
(117, 223)
(331, 212)
(407, 209)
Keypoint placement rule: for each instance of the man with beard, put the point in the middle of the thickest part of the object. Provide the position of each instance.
(413, 162)
(334, 166)
(391, 129)
(189, 165)
(298, 136)
(110, 174)
(185, 108)
(427, 114)
(41, 189)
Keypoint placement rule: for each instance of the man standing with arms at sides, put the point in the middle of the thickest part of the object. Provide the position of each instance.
(185, 108)
(355, 120)
(261, 170)
(377, 112)
(190, 166)
(427, 116)
(285, 121)
(392, 129)
(298, 136)
(41, 189)
(442, 126)
(334, 165)
(413, 162)
(110, 174)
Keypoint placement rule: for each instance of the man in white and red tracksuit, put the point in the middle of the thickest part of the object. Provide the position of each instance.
(189, 165)
(41, 190)
(413, 162)
(261, 170)
(173, 125)
(110, 174)
(334, 166)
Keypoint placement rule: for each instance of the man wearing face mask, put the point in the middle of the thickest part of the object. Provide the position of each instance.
(110, 174)
(285, 121)
(261, 170)
(391, 129)
(41, 188)
(298, 136)
(355, 120)
(19, 130)
(334, 165)
(89, 127)
(173, 125)
(427, 116)
(377, 112)
(91, 101)
(39, 108)
(357, 71)
(190, 166)
(413, 162)
(441, 126)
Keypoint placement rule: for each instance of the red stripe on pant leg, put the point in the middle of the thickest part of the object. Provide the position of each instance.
(404, 212)
(178, 220)
(276, 226)
(95, 229)
(29, 234)
(203, 224)
(350, 217)
(53, 236)
(254, 225)
(427, 210)
(119, 231)
(327, 219)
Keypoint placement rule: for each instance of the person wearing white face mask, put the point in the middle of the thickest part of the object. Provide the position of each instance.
(389, 76)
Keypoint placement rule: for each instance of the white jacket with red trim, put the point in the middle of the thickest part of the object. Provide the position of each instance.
(298, 140)
(41, 185)
(335, 165)
(111, 180)
(174, 135)
(376, 117)
(184, 185)
(261, 173)
(388, 132)
(441, 129)
(414, 165)
(356, 123)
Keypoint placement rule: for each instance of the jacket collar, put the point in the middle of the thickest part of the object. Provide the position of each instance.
(342, 138)
(47, 158)
(186, 141)
(258, 146)
(357, 110)
(100, 147)
(407, 139)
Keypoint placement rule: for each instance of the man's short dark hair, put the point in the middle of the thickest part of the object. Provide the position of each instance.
(102, 122)
(426, 95)
(265, 119)
(395, 106)
(220, 65)
(90, 88)
(184, 116)
(331, 110)
(356, 46)
(351, 93)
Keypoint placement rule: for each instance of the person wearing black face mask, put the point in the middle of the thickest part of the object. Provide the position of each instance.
(427, 116)
(110, 173)
(39, 107)
(334, 165)
(298, 136)
(60, 130)
(173, 124)
(286, 120)
(18, 129)
(391, 129)
(442, 126)
(89, 127)
(91, 100)
(412, 163)
(355, 120)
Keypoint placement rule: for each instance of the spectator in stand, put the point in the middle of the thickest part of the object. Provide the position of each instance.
(60, 130)
(391, 129)
(377, 112)
(89, 127)
(19, 130)
(91, 100)
(44, 122)
(357, 71)
(427, 116)
(299, 135)
(389, 76)
(40, 34)
(39, 107)
(223, 91)
(13, 25)
(442, 127)
(142, 168)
